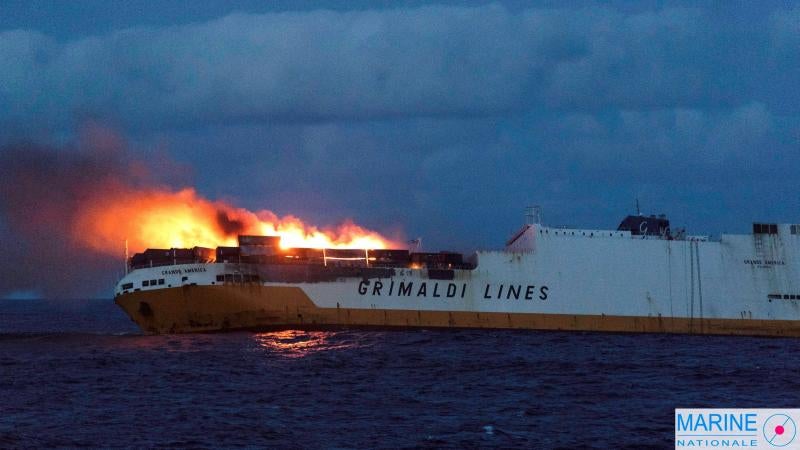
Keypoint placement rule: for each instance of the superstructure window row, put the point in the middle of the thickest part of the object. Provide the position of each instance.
(765, 228)
(238, 278)
(784, 296)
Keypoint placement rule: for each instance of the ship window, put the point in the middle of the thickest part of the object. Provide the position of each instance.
(160, 281)
(765, 228)
(153, 282)
(792, 297)
(146, 283)
(795, 229)
(786, 297)
(775, 296)
(256, 278)
(184, 278)
(220, 277)
(127, 286)
(237, 278)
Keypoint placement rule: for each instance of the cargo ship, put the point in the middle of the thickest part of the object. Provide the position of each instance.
(641, 277)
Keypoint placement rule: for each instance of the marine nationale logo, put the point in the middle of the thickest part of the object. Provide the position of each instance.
(779, 430)
(717, 428)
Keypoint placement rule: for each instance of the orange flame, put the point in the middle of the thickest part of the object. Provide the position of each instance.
(164, 219)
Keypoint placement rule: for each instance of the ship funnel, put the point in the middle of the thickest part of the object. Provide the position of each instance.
(533, 215)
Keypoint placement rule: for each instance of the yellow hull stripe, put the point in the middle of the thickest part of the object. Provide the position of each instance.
(213, 308)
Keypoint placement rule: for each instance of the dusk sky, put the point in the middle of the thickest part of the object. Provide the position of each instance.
(433, 120)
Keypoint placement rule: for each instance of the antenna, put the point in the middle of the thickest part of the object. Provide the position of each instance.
(126, 256)
(638, 212)
(533, 215)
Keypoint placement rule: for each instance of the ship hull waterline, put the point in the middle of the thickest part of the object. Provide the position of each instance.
(198, 308)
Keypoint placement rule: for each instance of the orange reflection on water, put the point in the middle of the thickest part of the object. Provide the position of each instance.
(297, 343)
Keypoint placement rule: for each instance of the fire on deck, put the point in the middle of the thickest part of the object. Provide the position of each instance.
(267, 250)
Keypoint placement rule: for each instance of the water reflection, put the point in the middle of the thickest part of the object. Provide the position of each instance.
(298, 343)
(168, 342)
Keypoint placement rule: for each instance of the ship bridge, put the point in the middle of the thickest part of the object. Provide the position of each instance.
(632, 227)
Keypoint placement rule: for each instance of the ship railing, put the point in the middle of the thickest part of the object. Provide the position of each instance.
(170, 262)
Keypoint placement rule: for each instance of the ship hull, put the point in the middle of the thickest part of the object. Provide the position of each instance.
(198, 308)
(546, 278)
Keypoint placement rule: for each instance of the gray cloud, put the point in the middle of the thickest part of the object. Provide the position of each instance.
(463, 183)
(432, 61)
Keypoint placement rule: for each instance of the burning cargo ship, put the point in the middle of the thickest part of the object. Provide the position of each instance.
(641, 277)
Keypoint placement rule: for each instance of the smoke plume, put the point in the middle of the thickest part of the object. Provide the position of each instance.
(67, 214)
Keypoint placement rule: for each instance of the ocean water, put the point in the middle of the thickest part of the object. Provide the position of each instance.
(79, 374)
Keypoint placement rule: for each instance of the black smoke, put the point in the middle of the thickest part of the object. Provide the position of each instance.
(42, 188)
(229, 226)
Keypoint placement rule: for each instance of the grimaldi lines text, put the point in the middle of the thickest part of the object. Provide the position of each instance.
(641, 277)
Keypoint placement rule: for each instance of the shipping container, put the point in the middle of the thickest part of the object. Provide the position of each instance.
(261, 259)
(256, 250)
(139, 260)
(156, 253)
(401, 257)
(153, 257)
(204, 254)
(182, 253)
(267, 241)
(441, 259)
(345, 253)
(228, 254)
(302, 253)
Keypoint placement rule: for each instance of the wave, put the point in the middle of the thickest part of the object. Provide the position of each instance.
(62, 334)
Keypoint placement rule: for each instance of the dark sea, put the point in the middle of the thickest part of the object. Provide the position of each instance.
(79, 374)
